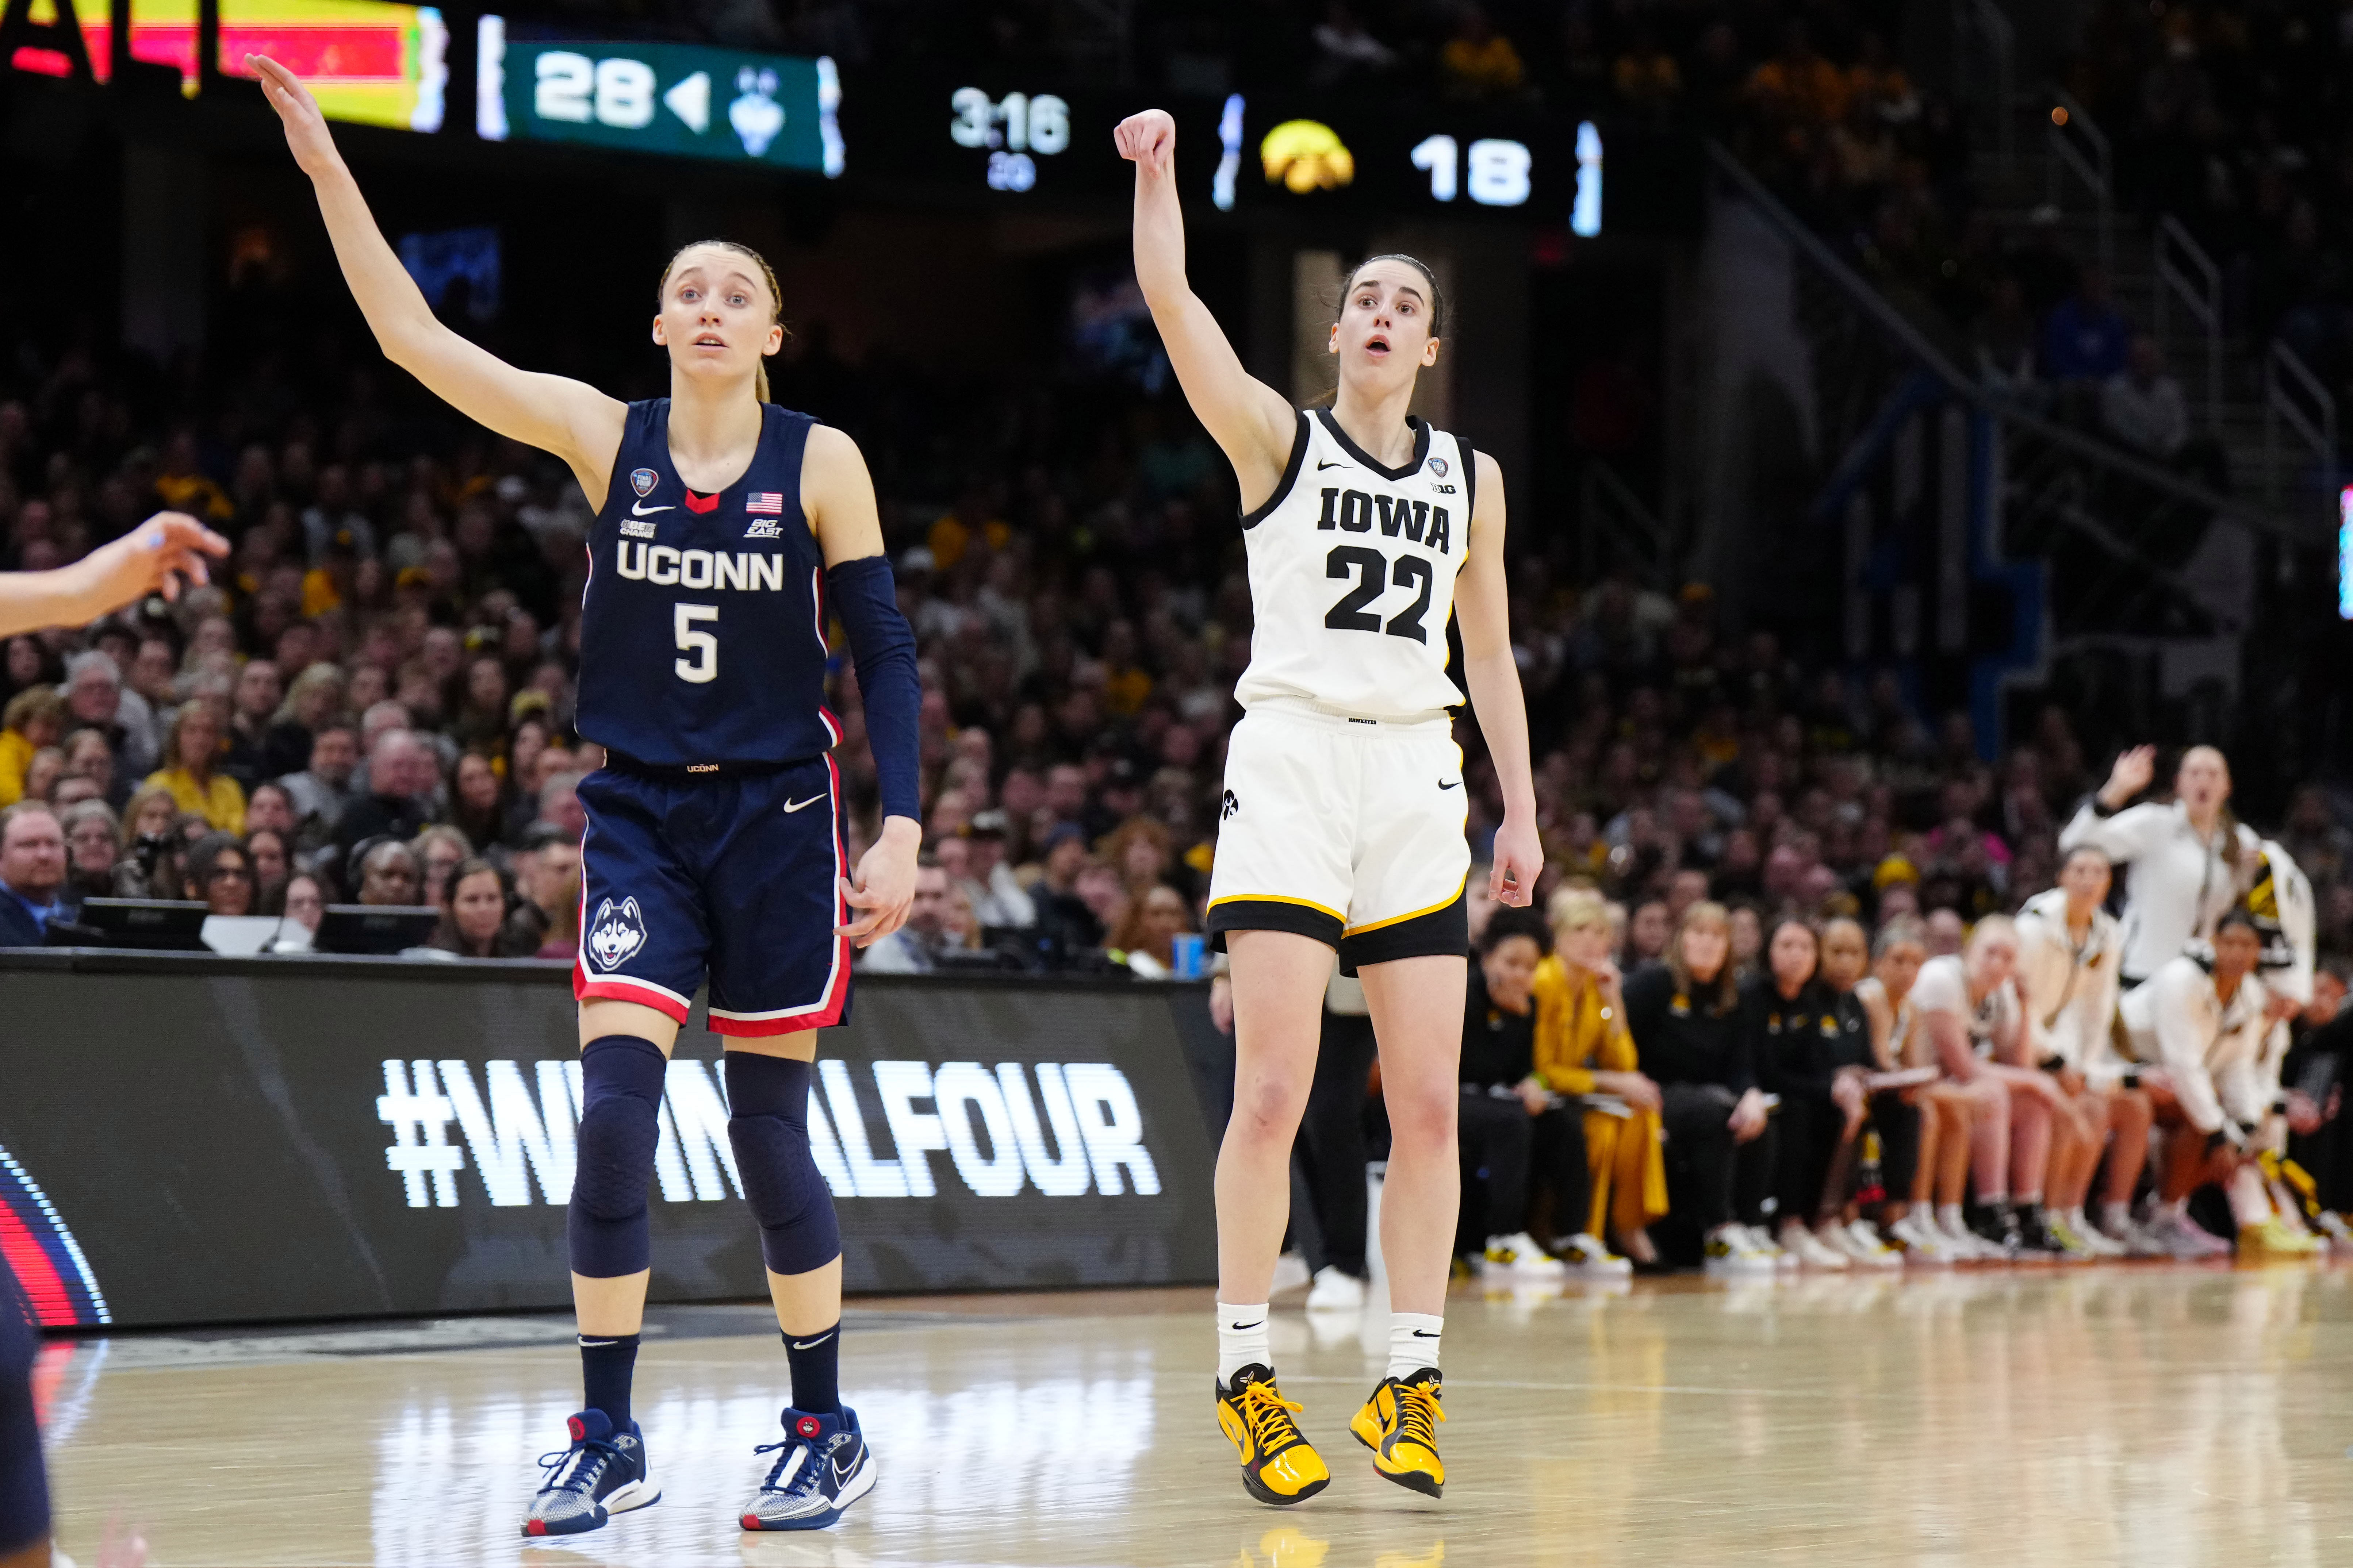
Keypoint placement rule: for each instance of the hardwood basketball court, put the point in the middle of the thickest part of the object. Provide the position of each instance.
(2132, 1416)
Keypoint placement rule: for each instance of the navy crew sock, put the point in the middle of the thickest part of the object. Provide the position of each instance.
(608, 1362)
(816, 1369)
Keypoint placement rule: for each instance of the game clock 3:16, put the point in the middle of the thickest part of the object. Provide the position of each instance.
(1018, 130)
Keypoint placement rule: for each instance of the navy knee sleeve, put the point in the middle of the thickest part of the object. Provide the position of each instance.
(621, 1089)
(24, 1484)
(768, 1122)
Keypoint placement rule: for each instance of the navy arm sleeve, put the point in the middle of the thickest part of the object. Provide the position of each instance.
(882, 645)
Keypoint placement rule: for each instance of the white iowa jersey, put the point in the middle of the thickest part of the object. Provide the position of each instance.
(1352, 574)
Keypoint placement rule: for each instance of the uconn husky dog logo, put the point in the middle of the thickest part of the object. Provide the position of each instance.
(617, 932)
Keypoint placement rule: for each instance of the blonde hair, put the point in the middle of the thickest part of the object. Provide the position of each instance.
(767, 275)
(1576, 909)
(1989, 927)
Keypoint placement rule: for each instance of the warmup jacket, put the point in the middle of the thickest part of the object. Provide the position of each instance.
(2070, 993)
(2176, 885)
(2218, 1055)
(2281, 903)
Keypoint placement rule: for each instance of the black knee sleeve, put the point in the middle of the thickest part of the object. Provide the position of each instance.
(767, 1124)
(621, 1089)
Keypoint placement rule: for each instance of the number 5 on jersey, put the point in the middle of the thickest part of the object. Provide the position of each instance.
(702, 644)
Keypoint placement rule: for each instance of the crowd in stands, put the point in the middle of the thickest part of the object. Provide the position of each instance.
(2235, 121)
(1842, 1077)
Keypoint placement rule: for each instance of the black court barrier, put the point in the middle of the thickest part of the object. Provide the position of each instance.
(190, 1139)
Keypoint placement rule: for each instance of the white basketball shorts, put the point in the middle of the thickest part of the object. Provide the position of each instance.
(1347, 830)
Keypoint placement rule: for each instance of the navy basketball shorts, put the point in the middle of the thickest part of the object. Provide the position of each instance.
(732, 878)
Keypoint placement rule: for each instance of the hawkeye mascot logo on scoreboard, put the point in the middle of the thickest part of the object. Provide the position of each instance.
(617, 933)
(884, 1130)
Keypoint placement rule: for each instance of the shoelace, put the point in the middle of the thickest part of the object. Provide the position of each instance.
(1268, 1415)
(1418, 1413)
(588, 1459)
(791, 1474)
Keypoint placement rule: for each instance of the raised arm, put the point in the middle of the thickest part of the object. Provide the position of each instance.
(1252, 423)
(1492, 675)
(573, 420)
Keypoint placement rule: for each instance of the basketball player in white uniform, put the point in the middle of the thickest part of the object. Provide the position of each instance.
(1342, 825)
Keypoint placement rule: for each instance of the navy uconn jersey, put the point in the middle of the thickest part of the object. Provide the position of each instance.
(702, 630)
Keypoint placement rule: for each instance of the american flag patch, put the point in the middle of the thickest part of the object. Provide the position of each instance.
(769, 501)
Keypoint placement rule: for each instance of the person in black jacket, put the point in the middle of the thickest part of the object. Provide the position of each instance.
(1508, 1123)
(1684, 1016)
(1795, 1026)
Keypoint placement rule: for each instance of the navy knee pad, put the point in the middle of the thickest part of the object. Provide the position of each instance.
(767, 1123)
(621, 1089)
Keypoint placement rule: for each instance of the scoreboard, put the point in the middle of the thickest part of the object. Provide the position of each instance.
(1011, 137)
(731, 105)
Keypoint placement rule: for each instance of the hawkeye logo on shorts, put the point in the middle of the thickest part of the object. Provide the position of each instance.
(617, 933)
(1229, 805)
(643, 480)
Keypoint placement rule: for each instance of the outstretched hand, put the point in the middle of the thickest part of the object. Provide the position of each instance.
(2131, 773)
(306, 127)
(1148, 139)
(159, 555)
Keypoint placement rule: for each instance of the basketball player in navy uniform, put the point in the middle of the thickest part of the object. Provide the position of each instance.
(157, 557)
(1341, 827)
(726, 530)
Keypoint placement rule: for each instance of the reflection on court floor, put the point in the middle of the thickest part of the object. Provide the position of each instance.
(2154, 1417)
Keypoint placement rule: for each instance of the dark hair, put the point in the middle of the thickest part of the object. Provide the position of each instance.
(767, 273)
(204, 855)
(2241, 919)
(1508, 922)
(472, 866)
(1437, 295)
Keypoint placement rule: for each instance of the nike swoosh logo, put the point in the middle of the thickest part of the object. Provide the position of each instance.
(642, 510)
(793, 806)
(1456, 785)
(811, 1344)
(1321, 465)
(1423, 1334)
(1239, 1327)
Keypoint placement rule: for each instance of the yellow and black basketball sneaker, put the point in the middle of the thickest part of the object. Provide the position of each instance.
(1279, 1466)
(1400, 1424)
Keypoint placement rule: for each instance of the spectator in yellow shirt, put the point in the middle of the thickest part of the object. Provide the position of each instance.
(192, 752)
(35, 717)
(1584, 1047)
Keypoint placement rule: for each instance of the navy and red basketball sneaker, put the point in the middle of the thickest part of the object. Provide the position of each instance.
(602, 1474)
(822, 1467)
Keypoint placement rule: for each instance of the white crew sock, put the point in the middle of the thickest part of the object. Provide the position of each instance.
(1949, 1217)
(2115, 1217)
(1242, 1340)
(1413, 1343)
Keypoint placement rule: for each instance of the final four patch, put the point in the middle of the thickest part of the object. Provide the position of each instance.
(643, 480)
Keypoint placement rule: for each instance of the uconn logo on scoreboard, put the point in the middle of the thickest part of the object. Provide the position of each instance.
(1061, 1128)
